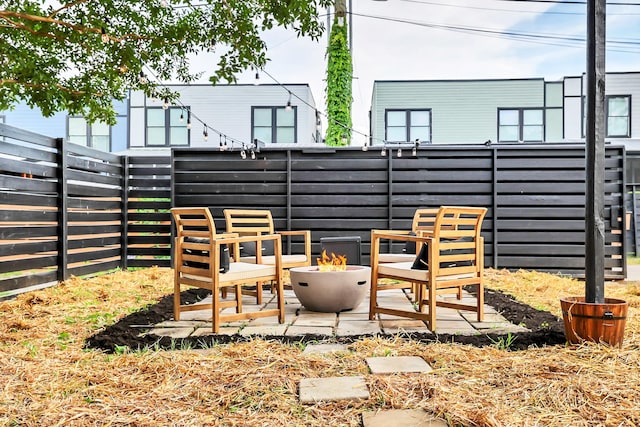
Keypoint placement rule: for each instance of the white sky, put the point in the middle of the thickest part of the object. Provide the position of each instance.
(384, 49)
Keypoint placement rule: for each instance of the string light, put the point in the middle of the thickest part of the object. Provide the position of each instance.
(205, 134)
(288, 106)
(143, 78)
(212, 45)
(365, 147)
(181, 116)
(399, 152)
(164, 3)
(383, 152)
(243, 153)
(104, 36)
(256, 81)
(253, 154)
(165, 103)
(414, 152)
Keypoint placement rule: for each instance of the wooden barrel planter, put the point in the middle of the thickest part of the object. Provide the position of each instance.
(596, 322)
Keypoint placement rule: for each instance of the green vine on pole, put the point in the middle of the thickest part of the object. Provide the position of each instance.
(339, 92)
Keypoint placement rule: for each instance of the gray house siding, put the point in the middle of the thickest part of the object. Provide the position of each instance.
(463, 111)
(227, 109)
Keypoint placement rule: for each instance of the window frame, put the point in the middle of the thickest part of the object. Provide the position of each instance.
(521, 125)
(408, 125)
(274, 125)
(628, 116)
(167, 126)
(89, 132)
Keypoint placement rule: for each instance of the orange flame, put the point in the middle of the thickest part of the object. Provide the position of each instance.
(335, 263)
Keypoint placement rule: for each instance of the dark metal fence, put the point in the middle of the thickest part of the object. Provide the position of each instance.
(64, 209)
(535, 195)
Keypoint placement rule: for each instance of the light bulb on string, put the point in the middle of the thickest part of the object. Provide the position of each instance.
(143, 78)
(221, 147)
(212, 45)
(165, 103)
(188, 120)
(288, 106)
(253, 154)
(104, 36)
(205, 134)
(243, 153)
(181, 116)
(226, 147)
(414, 152)
(164, 3)
(365, 147)
(344, 139)
(383, 152)
(399, 152)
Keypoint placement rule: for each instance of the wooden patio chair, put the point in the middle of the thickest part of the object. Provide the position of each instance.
(251, 222)
(454, 257)
(423, 221)
(198, 263)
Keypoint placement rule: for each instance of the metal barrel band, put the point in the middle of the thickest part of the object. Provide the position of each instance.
(606, 316)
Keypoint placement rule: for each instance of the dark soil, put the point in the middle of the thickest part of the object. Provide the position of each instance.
(546, 329)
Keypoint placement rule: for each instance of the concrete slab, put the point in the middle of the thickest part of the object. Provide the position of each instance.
(314, 390)
(358, 327)
(172, 332)
(401, 418)
(472, 317)
(274, 329)
(294, 331)
(399, 326)
(348, 315)
(181, 324)
(310, 320)
(316, 314)
(397, 364)
(324, 348)
(204, 331)
(460, 327)
(197, 315)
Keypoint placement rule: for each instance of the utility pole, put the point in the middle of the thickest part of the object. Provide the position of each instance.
(594, 207)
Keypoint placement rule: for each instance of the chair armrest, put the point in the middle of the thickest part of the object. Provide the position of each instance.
(307, 239)
(259, 238)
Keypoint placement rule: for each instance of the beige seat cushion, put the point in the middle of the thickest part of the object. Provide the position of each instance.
(403, 269)
(240, 271)
(384, 258)
(271, 259)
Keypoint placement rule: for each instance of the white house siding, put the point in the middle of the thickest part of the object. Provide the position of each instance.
(463, 111)
(227, 109)
(627, 84)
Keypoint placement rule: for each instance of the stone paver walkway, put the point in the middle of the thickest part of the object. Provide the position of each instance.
(300, 321)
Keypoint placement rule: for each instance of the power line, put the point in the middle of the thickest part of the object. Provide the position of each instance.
(553, 39)
(548, 12)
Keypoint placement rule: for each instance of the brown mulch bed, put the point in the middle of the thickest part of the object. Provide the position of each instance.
(546, 328)
(50, 376)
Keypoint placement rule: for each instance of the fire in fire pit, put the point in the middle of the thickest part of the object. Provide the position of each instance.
(335, 263)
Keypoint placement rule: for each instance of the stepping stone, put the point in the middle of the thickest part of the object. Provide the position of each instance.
(324, 348)
(314, 390)
(306, 320)
(262, 330)
(401, 418)
(358, 327)
(397, 364)
(172, 332)
(295, 331)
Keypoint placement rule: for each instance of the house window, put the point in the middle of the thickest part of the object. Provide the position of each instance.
(167, 127)
(96, 135)
(408, 125)
(274, 125)
(520, 125)
(618, 116)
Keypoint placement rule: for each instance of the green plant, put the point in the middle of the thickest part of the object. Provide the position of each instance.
(504, 343)
(339, 91)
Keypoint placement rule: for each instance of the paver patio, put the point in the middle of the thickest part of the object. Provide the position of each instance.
(300, 321)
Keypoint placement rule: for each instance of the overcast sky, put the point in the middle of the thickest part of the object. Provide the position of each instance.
(454, 39)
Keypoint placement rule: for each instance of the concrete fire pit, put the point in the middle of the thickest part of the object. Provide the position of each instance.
(330, 291)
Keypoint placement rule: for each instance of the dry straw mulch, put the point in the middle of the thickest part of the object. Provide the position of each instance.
(48, 379)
